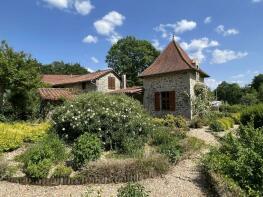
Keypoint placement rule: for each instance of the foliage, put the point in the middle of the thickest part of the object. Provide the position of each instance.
(249, 98)
(62, 171)
(38, 170)
(112, 118)
(201, 101)
(240, 159)
(132, 146)
(253, 114)
(216, 126)
(61, 68)
(19, 79)
(39, 158)
(168, 144)
(132, 56)
(13, 135)
(231, 108)
(123, 169)
(230, 93)
(221, 124)
(132, 190)
(88, 147)
(170, 121)
(197, 123)
(257, 82)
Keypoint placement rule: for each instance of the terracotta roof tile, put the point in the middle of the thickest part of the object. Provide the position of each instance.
(56, 94)
(172, 59)
(70, 79)
(54, 79)
(130, 90)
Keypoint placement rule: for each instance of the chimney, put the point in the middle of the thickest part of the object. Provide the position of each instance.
(124, 82)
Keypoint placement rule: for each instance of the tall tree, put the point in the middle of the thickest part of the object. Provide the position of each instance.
(19, 77)
(257, 81)
(59, 67)
(131, 56)
(229, 92)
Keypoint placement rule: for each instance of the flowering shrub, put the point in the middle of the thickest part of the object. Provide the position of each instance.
(110, 117)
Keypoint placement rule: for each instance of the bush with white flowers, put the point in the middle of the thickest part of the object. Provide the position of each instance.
(113, 118)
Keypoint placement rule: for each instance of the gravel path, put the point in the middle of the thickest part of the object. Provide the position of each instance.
(185, 179)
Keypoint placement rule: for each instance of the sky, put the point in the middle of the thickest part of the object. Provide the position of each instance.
(224, 36)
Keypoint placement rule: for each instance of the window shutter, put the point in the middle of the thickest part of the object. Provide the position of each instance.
(172, 100)
(157, 101)
(113, 83)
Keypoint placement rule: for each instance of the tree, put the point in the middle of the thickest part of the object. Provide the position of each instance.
(257, 81)
(228, 92)
(19, 78)
(260, 92)
(131, 56)
(59, 67)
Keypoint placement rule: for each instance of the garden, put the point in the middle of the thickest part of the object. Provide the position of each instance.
(97, 138)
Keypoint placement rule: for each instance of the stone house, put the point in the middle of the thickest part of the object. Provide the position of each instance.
(169, 82)
(104, 81)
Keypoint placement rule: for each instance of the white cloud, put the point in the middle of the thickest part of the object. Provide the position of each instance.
(94, 60)
(208, 20)
(61, 4)
(90, 70)
(114, 38)
(108, 23)
(197, 46)
(83, 7)
(223, 56)
(178, 27)
(256, 1)
(238, 76)
(212, 83)
(157, 45)
(226, 32)
(106, 26)
(90, 39)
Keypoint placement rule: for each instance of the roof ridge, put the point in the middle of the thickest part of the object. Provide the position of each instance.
(181, 55)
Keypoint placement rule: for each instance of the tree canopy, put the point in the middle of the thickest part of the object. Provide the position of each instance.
(229, 92)
(59, 67)
(131, 56)
(257, 81)
(19, 78)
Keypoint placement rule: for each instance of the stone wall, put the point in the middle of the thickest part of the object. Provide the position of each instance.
(178, 82)
(102, 83)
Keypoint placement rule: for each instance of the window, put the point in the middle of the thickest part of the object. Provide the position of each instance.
(165, 101)
(83, 85)
(111, 83)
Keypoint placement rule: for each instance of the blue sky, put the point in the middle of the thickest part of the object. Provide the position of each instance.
(225, 36)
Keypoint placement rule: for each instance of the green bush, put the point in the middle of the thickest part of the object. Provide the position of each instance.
(132, 190)
(231, 108)
(175, 121)
(88, 147)
(39, 158)
(240, 159)
(38, 170)
(132, 146)
(197, 123)
(216, 126)
(222, 124)
(171, 149)
(62, 171)
(108, 116)
(236, 117)
(253, 114)
(161, 136)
